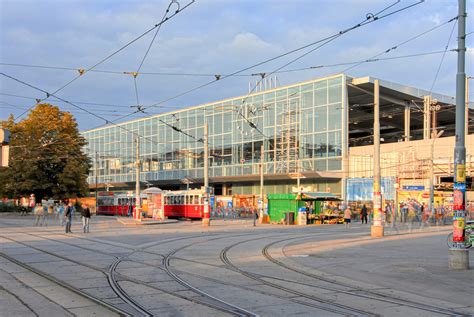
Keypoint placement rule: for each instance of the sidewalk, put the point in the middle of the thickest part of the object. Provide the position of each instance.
(405, 259)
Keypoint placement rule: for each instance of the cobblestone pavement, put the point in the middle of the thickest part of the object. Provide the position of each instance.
(229, 268)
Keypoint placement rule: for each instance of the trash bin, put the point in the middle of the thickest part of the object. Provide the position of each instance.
(289, 218)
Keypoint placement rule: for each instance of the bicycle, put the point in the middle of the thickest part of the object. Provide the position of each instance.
(469, 236)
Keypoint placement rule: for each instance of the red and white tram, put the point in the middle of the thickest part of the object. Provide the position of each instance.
(177, 204)
(184, 204)
(113, 204)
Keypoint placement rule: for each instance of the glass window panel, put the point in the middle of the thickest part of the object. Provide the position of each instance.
(335, 116)
(307, 146)
(307, 100)
(320, 119)
(320, 165)
(320, 145)
(307, 121)
(322, 84)
(335, 94)
(320, 97)
(334, 144)
(335, 81)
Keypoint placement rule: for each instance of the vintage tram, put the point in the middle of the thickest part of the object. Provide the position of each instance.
(113, 204)
(184, 204)
(177, 204)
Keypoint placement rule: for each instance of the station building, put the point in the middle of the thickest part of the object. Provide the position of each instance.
(317, 132)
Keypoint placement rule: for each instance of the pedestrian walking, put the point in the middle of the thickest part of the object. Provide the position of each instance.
(347, 217)
(68, 217)
(50, 209)
(38, 212)
(255, 217)
(61, 213)
(363, 215)
(44, 218)
(404, 212)
(86, 217)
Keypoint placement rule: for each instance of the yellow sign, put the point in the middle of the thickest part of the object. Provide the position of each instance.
(461, 173)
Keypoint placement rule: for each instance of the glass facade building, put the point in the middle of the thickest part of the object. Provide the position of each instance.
(301, 128)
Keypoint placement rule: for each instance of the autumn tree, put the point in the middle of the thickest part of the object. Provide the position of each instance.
(46, 156)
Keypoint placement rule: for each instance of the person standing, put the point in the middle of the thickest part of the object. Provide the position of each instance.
(32, 202)
(38, 212)
(68, 217)
(86, 217)
(347, 217)
(24, 206)
(363, 214)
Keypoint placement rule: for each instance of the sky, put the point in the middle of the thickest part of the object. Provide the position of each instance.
(211, 37)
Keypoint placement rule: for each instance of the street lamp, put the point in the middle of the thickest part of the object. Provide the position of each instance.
(434, 136)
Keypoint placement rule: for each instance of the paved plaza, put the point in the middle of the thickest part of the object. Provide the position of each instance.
(229, 268)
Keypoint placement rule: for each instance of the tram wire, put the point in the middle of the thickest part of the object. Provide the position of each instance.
(83, 71)
(370, 18)
(442, 58)
(213, 75)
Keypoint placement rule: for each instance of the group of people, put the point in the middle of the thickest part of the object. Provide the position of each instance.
(63, 212)
(414, 211)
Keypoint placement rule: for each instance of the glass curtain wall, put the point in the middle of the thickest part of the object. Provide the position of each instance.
(300, 127)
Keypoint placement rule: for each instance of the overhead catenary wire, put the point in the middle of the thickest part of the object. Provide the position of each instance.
(442, 59)
(83, 71)
(135, 74)
(370, 18)
(370, 60)
(76, 106)
(396, 46)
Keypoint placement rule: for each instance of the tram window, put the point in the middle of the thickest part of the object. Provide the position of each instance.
(202, 200)
(187, 200)
(181, 200)
(196, 199)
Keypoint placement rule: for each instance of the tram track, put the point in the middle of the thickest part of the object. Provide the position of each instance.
(112, 278)
(356, 291)
(231, 308)
(66, 285)
(332, 307)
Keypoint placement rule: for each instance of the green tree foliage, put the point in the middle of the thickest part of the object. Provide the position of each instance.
(46, 156)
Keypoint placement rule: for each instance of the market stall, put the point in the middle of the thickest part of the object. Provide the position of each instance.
(284, 208)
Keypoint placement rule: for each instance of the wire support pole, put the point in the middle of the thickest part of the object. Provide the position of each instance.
(206, 215)
(458, 253)
(96, 179)
(377, 227)
(137, 178)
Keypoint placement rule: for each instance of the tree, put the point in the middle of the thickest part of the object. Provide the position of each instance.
(46, 156)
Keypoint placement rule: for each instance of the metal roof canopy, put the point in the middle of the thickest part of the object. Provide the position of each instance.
(393, 100)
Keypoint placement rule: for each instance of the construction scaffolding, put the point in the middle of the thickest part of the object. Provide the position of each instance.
(288, 137)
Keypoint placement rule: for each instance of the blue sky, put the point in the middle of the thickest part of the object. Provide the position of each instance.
(211, 36)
